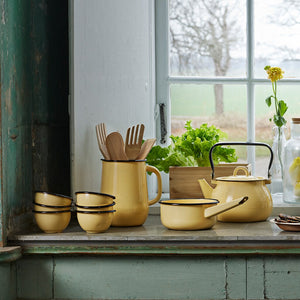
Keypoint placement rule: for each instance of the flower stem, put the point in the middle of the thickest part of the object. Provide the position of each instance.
(279, 150)
(274, 87)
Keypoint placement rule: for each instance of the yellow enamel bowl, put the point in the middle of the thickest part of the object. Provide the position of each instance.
(43, 207)
(52, 199)
(96, 221)
(52, 221)
(95, 208)
(93, 199)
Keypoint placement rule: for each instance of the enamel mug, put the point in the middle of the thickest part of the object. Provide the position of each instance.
(127, 181)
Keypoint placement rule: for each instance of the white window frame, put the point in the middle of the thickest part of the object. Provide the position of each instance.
(164, 80)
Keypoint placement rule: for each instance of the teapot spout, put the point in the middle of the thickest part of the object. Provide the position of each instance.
(206, 188)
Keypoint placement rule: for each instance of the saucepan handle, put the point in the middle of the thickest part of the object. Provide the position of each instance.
(217, 209)
(239, 144)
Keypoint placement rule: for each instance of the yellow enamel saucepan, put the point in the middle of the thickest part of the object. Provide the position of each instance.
(193, 214)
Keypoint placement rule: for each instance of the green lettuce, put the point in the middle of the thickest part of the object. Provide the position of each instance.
(191, 149)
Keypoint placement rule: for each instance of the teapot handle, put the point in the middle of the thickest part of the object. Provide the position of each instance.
(239, 144)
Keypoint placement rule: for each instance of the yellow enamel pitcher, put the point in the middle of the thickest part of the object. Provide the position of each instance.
(127, 181)
(259, 205)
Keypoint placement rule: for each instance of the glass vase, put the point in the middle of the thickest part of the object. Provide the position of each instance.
(277, 167)
(291, 174)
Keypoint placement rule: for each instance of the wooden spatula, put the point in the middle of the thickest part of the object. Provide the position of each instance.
(115, 146)
(145, 149)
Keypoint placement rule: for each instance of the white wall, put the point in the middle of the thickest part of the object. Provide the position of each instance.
(112, 77)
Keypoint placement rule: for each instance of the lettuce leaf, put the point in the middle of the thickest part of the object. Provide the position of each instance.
(191, 149)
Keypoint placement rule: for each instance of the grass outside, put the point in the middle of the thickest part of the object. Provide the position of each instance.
(196, 103)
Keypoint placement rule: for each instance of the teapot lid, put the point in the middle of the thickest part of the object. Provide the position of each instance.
(246, 177)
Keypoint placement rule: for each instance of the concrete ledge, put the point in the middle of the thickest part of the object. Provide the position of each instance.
(154, 239)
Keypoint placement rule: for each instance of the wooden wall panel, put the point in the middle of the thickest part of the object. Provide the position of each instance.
(8, 289)
(35, 151)
(35, 278)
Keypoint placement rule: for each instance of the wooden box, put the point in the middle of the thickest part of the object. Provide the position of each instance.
(183, 181)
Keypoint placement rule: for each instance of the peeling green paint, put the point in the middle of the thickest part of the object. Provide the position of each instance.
(34, 104)
(9, 254)
(76, 249)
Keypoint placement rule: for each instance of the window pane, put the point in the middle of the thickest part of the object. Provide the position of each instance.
(277, 36)
(197, 103)
(263, 129)
(207, 38)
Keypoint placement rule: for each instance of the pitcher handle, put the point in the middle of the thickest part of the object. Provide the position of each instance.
(159, 184)
(239, 144)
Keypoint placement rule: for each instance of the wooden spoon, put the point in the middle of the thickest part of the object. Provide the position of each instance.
(115, 146)
(145, 149)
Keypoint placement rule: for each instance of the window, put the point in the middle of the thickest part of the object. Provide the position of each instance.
(210, 65)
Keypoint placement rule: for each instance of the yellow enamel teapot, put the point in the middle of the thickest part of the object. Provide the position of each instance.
(259, 205)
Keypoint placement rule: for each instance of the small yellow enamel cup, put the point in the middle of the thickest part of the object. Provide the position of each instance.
(52, 221)
(95, 221)
(52, 199)
(93, 199)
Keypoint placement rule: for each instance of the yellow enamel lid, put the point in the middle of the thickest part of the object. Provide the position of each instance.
(246, 177)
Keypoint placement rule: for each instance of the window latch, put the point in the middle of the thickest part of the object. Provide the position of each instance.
(163, 129)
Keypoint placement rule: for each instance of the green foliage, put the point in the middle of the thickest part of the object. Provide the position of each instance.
(191, 149)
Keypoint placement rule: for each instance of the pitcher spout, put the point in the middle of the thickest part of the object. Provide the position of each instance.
(206, 188)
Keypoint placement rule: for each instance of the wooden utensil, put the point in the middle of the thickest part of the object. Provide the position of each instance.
(115, 146)
(145, 149)
(101, 138)
(133, 142)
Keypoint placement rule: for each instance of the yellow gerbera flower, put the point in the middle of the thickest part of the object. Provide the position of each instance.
(274, 73)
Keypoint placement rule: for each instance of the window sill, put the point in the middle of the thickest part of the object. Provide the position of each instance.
(9, 254)
(154, 239)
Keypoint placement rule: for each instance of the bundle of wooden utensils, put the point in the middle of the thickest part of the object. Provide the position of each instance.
(112, 146)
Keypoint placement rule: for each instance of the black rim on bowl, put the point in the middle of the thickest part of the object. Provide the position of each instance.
(95, 212)
(50, 211)
(100, 206)
(165, 202)
(54, 194)
(94, 193)
(52, 206)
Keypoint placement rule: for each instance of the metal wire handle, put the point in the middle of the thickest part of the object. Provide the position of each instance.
(239, 144)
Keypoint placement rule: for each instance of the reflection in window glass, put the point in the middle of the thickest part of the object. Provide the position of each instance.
(277, 36)
(207, 38)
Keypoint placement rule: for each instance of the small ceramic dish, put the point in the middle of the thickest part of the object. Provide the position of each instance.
(286, 226)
